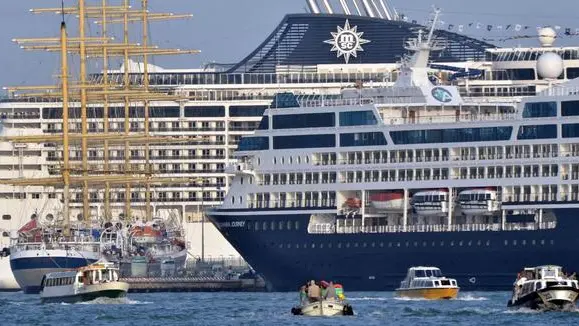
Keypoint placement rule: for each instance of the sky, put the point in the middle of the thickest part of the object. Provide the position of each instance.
(227, 30)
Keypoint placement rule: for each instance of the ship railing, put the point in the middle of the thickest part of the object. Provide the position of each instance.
(450, 118)
(475, 227)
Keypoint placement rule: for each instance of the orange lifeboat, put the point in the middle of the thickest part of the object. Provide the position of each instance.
(354, 202)
(388, 201)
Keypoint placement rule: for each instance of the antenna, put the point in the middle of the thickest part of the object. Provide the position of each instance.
(434, 22)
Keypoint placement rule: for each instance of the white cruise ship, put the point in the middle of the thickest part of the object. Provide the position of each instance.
(226, 102)
(358, 188)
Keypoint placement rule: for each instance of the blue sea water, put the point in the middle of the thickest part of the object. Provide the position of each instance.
(371, 308)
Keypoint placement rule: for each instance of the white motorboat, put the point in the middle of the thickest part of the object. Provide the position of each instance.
(544, 288)
(325, 308)
(98, 280)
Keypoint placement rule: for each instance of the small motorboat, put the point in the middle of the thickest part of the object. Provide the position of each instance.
(97, 280)
(427, 283)
(325, 308)
(544, 288)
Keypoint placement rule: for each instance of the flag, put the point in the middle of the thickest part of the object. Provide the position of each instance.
(489, 27)
(567, 31)
(478, 25)
(500, 27)
(460, 28)
(557, 27)
(518, 27)
(450, 27)
(508, 26)
(470, 25)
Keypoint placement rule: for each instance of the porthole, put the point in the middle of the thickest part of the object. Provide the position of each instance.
(5, 234)
(330, 245)
(460, 243)
(415, 244)
(313, 245)
(381, 244)
(307, 159)
(434, 243)
(274, 160)
(488, 243)
(6, 217)
(282, 160)
(258, 161)
(478, 243)
(265, 226)
(514, 242)
(407, 244)
(289, 225)
(442, 243)
(321, 246)
(299, 160)
(364, 245)
(280, 227)
(240, 200)
(524, 242)
(289, 245)
(297, 225)
(552, 242)
(305, 246)
(534, 242)
(241, 180)
(297, 246)
(469, 243)
(506, 242)
(373, 244)
(339, 245)
(355, 245)
(452, 243)
(249, 225)
(347, 245)
(232, 200)
(280, 246)
(424, 243)
(272, 225)
(542, 242)
(256, 226)
(398, 244)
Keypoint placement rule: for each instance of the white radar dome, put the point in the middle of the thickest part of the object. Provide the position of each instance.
(547, 36)
(550, 65)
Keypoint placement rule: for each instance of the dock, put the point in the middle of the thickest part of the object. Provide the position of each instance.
(194, 284)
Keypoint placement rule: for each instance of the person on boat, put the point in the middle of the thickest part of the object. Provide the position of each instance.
(314, 293)
(330, 292)
(303, 294)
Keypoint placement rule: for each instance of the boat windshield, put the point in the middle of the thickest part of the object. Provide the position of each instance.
(429, 273)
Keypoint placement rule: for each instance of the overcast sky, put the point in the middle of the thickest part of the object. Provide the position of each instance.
(227, 30)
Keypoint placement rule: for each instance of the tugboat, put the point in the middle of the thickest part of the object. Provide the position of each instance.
(427, 283)
(544, 288)
(98, 280)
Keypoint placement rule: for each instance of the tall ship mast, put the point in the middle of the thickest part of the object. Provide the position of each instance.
(359, 187)
(56, 243)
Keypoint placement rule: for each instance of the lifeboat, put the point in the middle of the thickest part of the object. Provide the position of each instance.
(478, 202)
(353, 202)
(145, 234)
(431, 202)
(388, 201)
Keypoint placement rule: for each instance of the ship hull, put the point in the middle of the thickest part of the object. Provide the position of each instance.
(428, 293)
(29, 266)
(7, 281)
(484, 260)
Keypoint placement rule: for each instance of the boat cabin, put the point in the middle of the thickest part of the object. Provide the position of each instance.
(90, 275)
(426, 277)
(533, 279)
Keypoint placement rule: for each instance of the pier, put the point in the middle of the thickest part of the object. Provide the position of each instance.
(193, 284)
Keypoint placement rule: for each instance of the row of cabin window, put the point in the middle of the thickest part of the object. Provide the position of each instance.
(321, 120)
(160, 112)
(408, 244)
(273, 225)
(549, 109)
(59, 281)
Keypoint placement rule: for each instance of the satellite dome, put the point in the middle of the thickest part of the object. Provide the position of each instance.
(550, 65)
(547, 36)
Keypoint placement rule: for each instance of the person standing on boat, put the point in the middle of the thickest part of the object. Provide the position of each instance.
(303, 294)
(314, 293)
(330, 292)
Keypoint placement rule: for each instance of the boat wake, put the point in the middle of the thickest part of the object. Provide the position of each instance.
(368, 299)
(470, 311)
(114, 301)
(469, 297)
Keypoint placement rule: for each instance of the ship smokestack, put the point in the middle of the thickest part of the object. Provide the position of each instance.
(357, 7)
(368, 8)
(377, 10)
(328, 6)
(345, 7)
(313, 6)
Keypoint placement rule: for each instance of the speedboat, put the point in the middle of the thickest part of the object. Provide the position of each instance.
(324, 307)
(544, 288)
(427, 283)
(97, 280)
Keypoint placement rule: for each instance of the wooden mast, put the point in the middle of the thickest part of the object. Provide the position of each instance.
(106, 168)
(83, 109)
(65, 124)
(126, 82)
(145, 6)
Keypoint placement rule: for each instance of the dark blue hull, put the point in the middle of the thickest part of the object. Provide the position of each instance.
(379, 261)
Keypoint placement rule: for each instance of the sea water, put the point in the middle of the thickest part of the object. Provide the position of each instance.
(370, 308)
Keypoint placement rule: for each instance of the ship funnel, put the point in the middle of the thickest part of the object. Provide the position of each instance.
(357, 7)
(376, 9)
(313, 5)
(368, 8)
(328, 6)
(345, 7)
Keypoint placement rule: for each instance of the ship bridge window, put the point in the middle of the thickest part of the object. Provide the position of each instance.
(246, 111)
(165, 112)
(451, 135)
(205, 111)
(362, 139)
(570, 108)
(537, 132)
(358, 118)
(540, 110)
(571, 130)
(311, 120)
(254, 144)
(304, 141)
(572, 73)
(264, 123)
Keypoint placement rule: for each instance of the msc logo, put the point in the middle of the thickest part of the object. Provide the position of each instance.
(347, 41)
(441, 95)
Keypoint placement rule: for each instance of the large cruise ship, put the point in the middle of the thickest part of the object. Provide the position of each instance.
(226, 102)
(361, 186)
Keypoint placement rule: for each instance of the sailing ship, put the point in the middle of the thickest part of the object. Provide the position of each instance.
(55, 243)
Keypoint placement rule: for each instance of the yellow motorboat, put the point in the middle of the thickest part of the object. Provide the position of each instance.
(427, 283)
